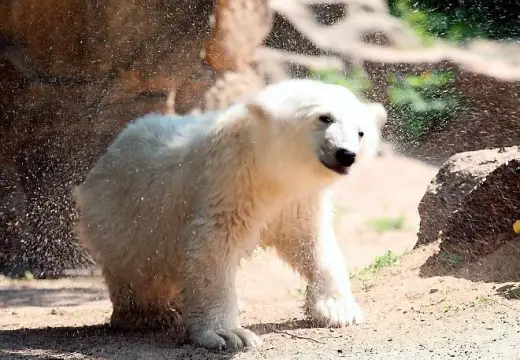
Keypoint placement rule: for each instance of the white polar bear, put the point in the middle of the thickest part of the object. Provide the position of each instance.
(175, 202)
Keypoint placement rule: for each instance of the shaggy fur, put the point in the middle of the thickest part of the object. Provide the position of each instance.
(175, 202)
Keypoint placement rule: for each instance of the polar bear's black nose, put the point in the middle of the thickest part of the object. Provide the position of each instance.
(345, 157)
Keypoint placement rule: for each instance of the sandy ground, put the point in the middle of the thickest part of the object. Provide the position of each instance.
(408, 316)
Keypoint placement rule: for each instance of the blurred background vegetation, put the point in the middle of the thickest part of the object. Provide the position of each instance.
(460, 20)
(425, 103)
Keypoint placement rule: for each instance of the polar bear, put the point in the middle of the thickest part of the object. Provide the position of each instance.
(177, 201)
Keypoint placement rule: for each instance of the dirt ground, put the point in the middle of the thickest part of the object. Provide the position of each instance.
(408, 316)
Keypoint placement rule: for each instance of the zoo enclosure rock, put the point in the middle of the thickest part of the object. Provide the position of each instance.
(73, 73)
(473, 201)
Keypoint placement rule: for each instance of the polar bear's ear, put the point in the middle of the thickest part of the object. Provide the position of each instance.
(378, 113)
(257, 111)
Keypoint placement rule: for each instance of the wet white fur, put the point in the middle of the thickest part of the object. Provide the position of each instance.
(175, 202)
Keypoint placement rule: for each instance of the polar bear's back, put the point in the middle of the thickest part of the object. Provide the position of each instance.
(146, 146)
(155, 132)
(141, 181)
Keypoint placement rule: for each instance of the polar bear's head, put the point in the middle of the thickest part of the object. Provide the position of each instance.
(312, 128)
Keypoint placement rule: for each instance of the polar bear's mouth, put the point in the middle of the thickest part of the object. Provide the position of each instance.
(337, 168)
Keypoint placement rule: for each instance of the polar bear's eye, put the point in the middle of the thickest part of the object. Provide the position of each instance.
(360, 134)
(326, 118)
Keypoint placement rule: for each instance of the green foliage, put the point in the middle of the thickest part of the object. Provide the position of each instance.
(418, 20)
(388, 259)
(420, 104)
(381, 225)
(382, 261)
(450, 258)
(458, 20)
(355, 80)
(27, 275)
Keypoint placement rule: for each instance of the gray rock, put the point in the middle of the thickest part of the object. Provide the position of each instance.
(472, 202)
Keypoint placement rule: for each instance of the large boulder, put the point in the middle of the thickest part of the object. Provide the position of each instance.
(472, 203)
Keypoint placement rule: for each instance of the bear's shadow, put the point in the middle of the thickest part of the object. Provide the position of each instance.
(103, 342)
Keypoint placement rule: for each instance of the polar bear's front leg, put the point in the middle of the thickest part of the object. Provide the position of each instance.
(329, 298)
(209, 269)
(303, 236)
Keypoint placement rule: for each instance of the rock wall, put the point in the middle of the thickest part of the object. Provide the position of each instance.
(73, 74)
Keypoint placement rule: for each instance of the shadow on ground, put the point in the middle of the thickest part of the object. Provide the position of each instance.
(102, 341)
(50, 297)
(498, 267)
(97, 341)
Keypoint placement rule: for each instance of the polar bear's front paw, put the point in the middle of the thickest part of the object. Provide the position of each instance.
(335, 312)
(226, 339)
